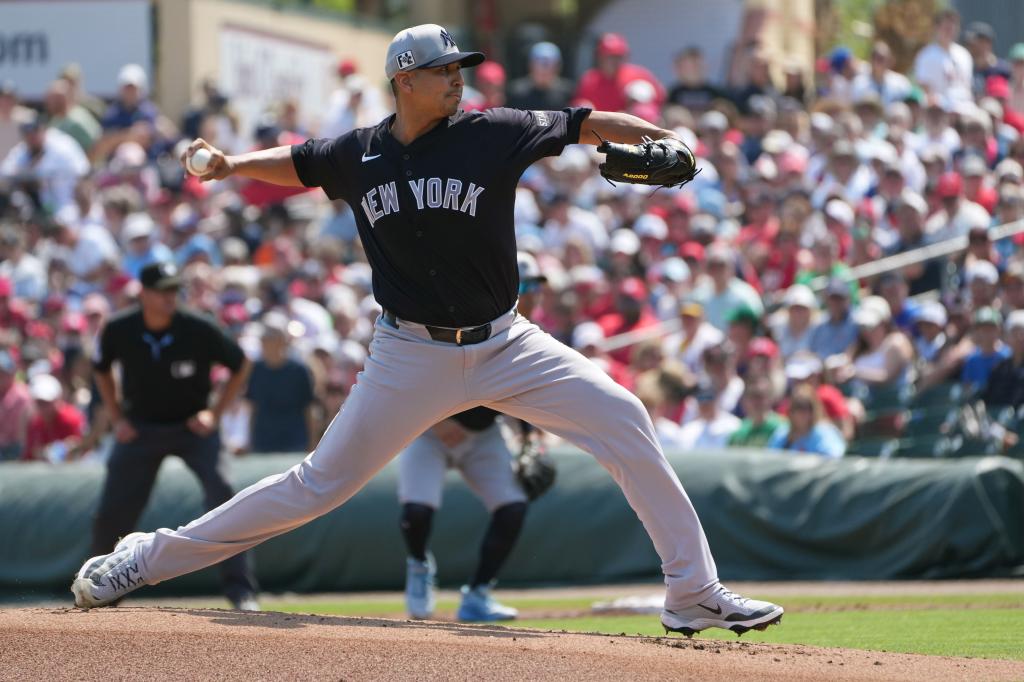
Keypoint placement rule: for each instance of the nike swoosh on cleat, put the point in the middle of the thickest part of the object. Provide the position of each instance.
(717, 611)
(369, 158)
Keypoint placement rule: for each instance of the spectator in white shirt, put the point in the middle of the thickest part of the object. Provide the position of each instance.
(48, 163)
(847, 177)
(697, 335)
(880, 79)
(958, 213)
(712, 426)
(793, 334)
(943, 68)
(566, 221)
(26, 273)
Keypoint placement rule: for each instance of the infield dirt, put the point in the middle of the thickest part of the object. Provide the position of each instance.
(183, 644)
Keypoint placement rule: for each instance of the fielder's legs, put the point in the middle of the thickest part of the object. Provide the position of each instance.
(486, 466)
(421, 469)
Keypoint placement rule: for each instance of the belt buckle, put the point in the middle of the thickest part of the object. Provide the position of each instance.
(458, 336)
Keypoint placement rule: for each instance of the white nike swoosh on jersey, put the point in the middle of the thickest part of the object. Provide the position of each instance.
(369, 158)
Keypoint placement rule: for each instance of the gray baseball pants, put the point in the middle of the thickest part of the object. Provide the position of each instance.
(410, 383)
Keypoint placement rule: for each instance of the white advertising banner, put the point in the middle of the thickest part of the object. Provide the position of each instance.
(258, 69)
(39, 37)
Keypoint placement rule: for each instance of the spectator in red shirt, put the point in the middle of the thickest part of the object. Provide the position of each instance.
(15, 408)
(57, 425)
(263, 194)
(12, 312)
(631, 313)
(974, 169)
(604, 86)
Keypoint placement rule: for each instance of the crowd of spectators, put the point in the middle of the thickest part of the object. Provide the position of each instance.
(747, 328)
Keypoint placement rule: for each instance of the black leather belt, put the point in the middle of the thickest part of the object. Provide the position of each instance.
(462, 336)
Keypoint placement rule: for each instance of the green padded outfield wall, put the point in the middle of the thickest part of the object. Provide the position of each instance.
(768, 516)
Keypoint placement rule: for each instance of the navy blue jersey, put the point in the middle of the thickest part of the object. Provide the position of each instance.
(436, 216)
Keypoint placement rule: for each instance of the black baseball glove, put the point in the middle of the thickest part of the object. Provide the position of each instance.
(667, 162)
(534, 470)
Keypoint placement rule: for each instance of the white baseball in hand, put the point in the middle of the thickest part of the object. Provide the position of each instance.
(199, 161)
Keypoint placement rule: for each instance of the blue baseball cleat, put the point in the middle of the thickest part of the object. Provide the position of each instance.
(478, 606)
(419, 586)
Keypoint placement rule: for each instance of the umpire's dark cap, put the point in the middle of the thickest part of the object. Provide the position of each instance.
(160, 276)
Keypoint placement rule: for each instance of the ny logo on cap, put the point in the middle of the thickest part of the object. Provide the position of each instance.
(447, 39)
(405, 59)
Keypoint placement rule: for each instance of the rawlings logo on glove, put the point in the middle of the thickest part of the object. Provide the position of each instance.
(667, 162)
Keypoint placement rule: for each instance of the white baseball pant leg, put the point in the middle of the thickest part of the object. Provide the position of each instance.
(533, 376)
(409, 384)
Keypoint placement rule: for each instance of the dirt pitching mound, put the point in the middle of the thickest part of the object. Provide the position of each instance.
(185, 644)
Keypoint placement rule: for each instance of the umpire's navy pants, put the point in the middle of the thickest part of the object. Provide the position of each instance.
(131, 472)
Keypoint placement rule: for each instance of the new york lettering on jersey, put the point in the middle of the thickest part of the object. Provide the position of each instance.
(445, 193)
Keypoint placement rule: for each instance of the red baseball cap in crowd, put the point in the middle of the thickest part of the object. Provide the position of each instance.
(346, 67)
(694, 250)
(792, 162)
(491, 73)
(659, 211)
(762, 347)
(949, 185)
(634, 288)
(998, 87)
(685, 202)
(612, 44)
(6, 288)
(118, 282)
(234, 314)
(39, 330)
(54, 303)
(73, 322)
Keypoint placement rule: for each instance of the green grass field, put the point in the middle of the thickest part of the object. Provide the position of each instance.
(987, 625)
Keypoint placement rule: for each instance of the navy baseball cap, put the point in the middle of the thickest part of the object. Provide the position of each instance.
(424, 46)
(160, 276)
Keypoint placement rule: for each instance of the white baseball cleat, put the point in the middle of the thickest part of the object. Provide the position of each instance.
(419, 586)
(105, 579)
(724, 609)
